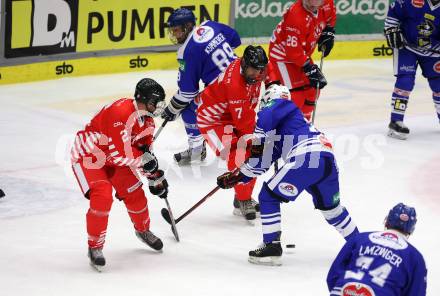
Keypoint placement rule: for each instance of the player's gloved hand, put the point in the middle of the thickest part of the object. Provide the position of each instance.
(315, 75)
(172, 111)
(326, 40)
(157, 184)
(394, 37)
(229, 179)
(150, 163)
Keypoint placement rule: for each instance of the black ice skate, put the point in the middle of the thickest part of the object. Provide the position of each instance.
(190, 155)
(148, 238)
(237, 211)
(97, 259)
(398, 130)
(267, 254)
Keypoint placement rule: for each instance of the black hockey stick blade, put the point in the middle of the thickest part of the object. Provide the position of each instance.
(166, 215)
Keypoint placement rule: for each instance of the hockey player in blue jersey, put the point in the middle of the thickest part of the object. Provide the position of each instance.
(282, 132)
(412, 29)
(381, 263)
(205, 52)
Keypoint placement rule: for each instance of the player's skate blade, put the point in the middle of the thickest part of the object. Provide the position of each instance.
(268, 261)
(398, 130)
(97, 260)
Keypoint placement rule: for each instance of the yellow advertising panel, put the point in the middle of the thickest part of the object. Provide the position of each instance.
(104, 25)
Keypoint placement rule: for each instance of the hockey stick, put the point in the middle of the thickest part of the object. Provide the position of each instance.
(428, 50)
(166, 214)
(171, 219)
(317, 88)
(160, 129)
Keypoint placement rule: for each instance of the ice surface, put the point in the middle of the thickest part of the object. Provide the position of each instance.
(42, 218)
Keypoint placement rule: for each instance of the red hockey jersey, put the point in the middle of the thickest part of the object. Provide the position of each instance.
(229, 100)
(114, 135)
(294, 39)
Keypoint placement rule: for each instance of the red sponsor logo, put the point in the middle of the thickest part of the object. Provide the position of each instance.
(437, 67)
(404, 217)
(418, 3)
(357, 289)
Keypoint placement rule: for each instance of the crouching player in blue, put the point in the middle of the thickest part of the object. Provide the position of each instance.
(381, 263)
(282, 132)
(412, 29)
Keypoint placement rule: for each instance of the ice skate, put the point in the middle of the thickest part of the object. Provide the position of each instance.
(97, 260)
(191, 154)
(267, 254)
(246, 208)
(398, 130)
(148, 238)
(237, 211)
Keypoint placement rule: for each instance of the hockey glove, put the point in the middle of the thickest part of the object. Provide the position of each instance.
(326, 40)
(172, 111)
(150, 164)
(394, 37)
(229, 179)
(157, 184)
(316, 78)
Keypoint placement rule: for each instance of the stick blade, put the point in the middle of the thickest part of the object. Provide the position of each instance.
(166, 215)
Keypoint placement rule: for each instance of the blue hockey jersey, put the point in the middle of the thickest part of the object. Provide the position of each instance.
(281, 126)
(383, 261)
(206, 53)
(420, 24)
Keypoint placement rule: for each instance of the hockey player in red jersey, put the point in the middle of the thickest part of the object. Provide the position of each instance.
(226, 114)
(305, 24)
(106, 154)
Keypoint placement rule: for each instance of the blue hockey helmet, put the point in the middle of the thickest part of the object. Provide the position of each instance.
(401, 217)
(180, 17)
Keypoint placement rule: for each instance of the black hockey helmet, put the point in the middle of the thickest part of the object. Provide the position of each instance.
(148, 91)
(254, 57)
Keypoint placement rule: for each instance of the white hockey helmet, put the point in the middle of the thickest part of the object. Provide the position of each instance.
(274, 92)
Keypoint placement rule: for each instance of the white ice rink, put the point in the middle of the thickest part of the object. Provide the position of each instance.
(42, 218)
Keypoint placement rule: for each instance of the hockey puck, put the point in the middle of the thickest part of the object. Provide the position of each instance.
(2, 194)
(290, 246)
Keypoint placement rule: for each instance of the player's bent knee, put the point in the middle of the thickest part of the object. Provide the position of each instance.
(405, 82)
(100, 195)
(434, 84)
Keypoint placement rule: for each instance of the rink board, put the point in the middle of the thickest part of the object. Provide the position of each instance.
(156, 61)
